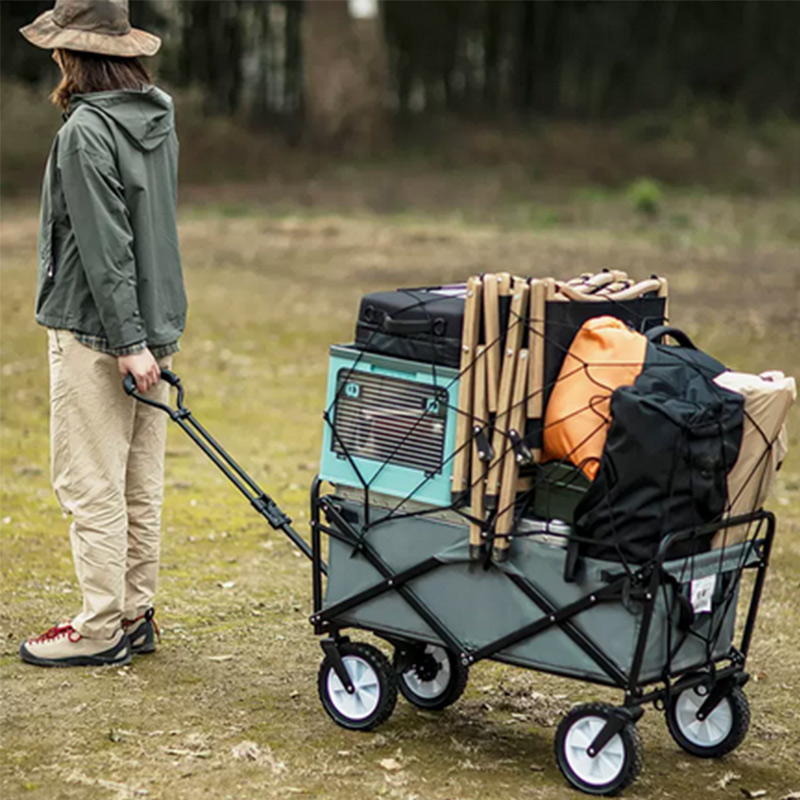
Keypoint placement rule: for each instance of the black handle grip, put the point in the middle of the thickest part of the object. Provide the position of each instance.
(170, 377)
(129, 385)
(676, 333)
(408, 327)
(129, 382)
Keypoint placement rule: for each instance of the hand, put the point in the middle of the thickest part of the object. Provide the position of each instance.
(143, 367)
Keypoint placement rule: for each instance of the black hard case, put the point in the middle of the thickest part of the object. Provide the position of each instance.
(425, 324)
(416, 324)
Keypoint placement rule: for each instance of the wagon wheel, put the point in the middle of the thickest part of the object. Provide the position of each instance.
(613, 768)
(375, 688)
(430, 677)
(720, 733)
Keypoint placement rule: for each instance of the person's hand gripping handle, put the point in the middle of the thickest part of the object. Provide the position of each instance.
(143, 367)
(131, 388)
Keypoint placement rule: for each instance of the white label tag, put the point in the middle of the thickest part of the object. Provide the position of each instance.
(702, 593)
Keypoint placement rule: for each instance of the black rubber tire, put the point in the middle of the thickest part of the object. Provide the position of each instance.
(632, 744)
(740, 723)
(459, 675)
(387, 687)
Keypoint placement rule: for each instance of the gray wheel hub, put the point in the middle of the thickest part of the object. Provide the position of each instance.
(366, 689)
(707, 732)
(599, 770)
(431, 675)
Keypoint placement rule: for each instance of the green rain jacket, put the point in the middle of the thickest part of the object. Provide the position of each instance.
(109, 263)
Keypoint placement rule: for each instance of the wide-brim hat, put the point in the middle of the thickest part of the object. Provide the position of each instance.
(92, 26)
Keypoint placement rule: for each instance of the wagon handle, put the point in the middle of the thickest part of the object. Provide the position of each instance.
(129, 384)
(258, 498)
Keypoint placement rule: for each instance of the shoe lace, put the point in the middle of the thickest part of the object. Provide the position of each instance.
(156, 628)
(149, 615)
(57, 631)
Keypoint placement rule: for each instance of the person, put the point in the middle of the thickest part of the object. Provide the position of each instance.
(110, 292)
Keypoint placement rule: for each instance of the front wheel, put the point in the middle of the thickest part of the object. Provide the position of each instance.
(720, 733)
(374, 693)
(430, 677)
(609, 771)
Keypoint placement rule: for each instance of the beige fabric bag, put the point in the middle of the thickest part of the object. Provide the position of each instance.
(767, 399)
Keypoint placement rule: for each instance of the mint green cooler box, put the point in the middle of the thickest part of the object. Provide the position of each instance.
(390, 424)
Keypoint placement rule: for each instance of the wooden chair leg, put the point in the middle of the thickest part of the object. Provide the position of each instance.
(491, 321)
(508, 485)
(536, 344)
(469, 343)
(516, 327)
(480, 456)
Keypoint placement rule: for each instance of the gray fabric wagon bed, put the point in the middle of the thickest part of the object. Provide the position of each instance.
(480, 605)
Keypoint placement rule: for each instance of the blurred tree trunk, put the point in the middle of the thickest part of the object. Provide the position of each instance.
(524, 61)
(17, 58)
(294, 57)
(212, 52)
(491, 53)
(345, 77)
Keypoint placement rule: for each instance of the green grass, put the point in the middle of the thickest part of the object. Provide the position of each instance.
(270, 287)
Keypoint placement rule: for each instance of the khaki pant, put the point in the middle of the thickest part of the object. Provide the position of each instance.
(107, 454)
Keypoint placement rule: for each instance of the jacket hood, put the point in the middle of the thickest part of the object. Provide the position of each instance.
(146, 116)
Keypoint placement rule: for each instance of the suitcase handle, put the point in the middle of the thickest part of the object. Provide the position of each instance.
(676, 333)
(408, 327)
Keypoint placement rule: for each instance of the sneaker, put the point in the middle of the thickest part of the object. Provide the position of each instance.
(63, 646)
(142, 632)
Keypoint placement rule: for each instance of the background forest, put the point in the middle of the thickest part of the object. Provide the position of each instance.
(681, 90)
(586, 59)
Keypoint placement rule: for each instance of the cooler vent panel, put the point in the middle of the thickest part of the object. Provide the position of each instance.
(389, 419)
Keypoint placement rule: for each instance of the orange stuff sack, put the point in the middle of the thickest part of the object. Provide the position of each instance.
(604, 355)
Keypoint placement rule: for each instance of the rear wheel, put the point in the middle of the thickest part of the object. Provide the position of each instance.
(720, 733)
(430, 677)
(374, 693)
(609, 771)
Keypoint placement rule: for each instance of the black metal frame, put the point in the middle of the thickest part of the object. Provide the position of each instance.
(328, 620)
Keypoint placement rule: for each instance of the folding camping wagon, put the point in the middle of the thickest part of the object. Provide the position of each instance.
(452, 537)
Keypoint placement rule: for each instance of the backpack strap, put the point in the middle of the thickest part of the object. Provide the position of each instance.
(572, 560)
(654, 334)
(683, 606)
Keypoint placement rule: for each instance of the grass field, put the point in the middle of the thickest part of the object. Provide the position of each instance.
(228, 706)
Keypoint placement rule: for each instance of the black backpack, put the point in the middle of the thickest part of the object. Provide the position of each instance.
(673, 438)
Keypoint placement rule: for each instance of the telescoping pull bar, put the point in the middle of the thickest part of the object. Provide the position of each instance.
(258, 498)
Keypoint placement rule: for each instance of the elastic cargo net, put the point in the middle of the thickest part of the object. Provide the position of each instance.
(540, 361)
